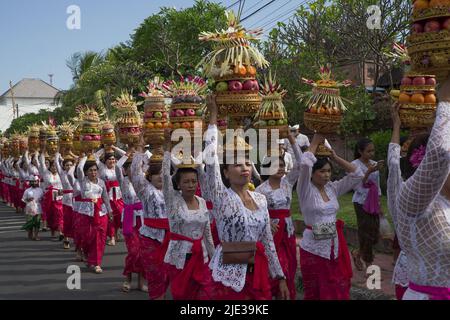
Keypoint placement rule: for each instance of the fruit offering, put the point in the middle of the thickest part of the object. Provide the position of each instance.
(43, 136)
(233, 65)
(14, 146)
(129, 120)
(429, 41)
(186, 111)
(52, 141)
(156, 117)
(77, 149)
(90, 138)
(66, 139)
(33, 138)
(272, 115)
(108, 136)
(418, 101)
(23, 144)
(324, 105)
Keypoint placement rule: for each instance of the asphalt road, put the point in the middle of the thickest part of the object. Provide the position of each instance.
(37, 269)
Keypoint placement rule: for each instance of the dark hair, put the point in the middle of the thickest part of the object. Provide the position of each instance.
(153, 169)
(66, 160)
(320, 163)
(177, 177)
(88, 165)
(268, 164)
(108, 155)
(361, 145)
(420, 140)
(126, 165)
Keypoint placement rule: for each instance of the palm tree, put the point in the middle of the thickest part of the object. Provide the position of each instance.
(80, 62)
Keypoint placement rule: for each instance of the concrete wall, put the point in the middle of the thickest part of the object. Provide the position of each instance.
(26, 105)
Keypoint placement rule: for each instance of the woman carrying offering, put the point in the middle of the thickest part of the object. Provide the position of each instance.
(324, 257)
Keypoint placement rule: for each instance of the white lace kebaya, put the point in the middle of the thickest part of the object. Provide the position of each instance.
(420, 213)
(281, 198)
(316, 211)
(236, 223)
(152, 199)
(90, 190)
(182, 221)
(109, 174)
(361, 193)
(129, 195)
(67, 179)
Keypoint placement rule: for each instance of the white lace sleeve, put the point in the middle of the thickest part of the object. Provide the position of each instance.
(394, 180)
(304, 180)
(80, 169)
(105, 196)
(208, 240)
(348, 183)
(271, 252)
(119, 174)
(421, 189)
(213, 176)
(137, 175)
(167, 182)
(294, 174)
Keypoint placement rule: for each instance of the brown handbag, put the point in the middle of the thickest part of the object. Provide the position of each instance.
(238, 252)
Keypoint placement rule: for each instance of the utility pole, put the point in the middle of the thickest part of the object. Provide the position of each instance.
(13, 101)
(51, 78)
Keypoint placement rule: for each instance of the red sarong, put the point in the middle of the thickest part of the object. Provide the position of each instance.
(287, 253)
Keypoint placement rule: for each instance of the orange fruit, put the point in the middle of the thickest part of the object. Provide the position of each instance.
(251, 70)
(322, 110)
(430, 98)
(150, 125)
(165, 125)
(158, 125)
(404, 98)
(421, 4)
(417, 98)
(186, 125)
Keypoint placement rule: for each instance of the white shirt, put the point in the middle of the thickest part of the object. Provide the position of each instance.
(316, 210)
(33, 207)
(420, 213)
(361, 193)
(236, 223)
(192, 224)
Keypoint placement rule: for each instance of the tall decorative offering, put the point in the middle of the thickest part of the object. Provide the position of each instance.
(324, 105)
(156, 118)
(14, 146)
(52, 141)
(33, 138)
(416, 96)
(429, 41)
(232, 64)
(129, 120)
(78, 127)
(272, 116)
(186, 111)
(90, 138)
(66, 140)
(108, 136)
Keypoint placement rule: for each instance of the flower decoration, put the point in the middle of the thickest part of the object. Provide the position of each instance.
(232, 48)
(189, 86)
(417, 156)
(154, 88)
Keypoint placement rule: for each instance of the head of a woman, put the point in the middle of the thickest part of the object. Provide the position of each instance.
(237, 173)
(154, 175)
(364, 149)
(67, 164)
(52, 167)
(91, 170)
(186, 181)
(127, 168)
(110, 160)
(321, 172)
(279, 165)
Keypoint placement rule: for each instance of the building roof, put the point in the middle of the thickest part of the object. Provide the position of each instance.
(32, 88)
(397, 75)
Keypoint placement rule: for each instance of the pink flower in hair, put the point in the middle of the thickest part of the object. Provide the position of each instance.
(417, 156)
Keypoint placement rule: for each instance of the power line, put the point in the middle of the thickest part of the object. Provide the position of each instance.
(256, 11)
(233, 4)
(271, 19)
(284, 14)
(254, 5)
(270, 15)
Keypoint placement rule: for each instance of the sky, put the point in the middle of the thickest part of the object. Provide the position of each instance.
(36, 41)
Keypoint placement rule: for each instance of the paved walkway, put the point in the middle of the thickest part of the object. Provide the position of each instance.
(37, 269)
